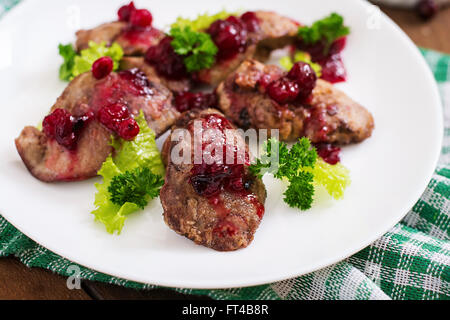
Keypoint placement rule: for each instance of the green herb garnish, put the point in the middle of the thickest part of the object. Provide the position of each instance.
(75, 64)
(134, 162)
(198, 49)
(137, 186)
(302, 168)
(329, 29)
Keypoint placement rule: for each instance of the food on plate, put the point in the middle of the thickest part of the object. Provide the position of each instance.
(133, 32)
(130, 82)
(132, 176)
(303, 169)
(218, 205)
(295, 102)
(75, 139)
(252, 35)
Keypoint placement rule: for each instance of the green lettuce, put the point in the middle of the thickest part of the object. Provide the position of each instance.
(141, 152)
(203, 21)
(75, 64)
(287, 62)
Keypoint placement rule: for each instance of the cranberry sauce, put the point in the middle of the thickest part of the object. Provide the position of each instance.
(209, 180)
(117, 118)
(65, 128)
(165, 61)
(329, 58)
(328, 152)
(231, 35)
(111, 98)
(295, 86)
(139, 29)
(188, 100)
(120, 88)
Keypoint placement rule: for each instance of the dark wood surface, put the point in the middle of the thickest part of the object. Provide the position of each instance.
(20, 282)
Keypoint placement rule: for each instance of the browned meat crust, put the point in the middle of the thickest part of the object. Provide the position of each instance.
(139, 62)
(275, 32)
(331, 116)
(114, 32)
(49, 161)
(193, 216)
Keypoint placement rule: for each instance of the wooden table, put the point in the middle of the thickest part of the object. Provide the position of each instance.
(20, 282)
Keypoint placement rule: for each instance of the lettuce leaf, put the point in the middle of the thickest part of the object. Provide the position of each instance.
(68, 53)
(287, 62)
(75, 64)
(335, 178)
(140, 152)
(203, 21)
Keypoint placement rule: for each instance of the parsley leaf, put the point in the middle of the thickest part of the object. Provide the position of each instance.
(136, 186)
(300, 191)
(197, 47)
(329, 28)
(301, 167)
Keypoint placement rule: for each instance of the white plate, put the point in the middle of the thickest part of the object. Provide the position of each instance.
(389, 171)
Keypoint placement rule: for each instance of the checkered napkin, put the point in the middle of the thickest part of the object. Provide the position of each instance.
(411, 261)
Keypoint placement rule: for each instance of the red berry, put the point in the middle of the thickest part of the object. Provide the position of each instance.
(304, 76)
(230, 36)
(125, 11)
(427, 8)
(251, 21)
(102, 67)
(111, 116)
(328, 152)
(128, 129)
(63, 127)
(166, 62)
(283, 90)
(141, 18)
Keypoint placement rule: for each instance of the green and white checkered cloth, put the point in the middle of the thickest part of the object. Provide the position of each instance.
(411, 261)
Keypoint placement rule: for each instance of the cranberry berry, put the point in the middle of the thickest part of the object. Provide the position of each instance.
(125, 11)
(283, 90)
(128, 129)
(141, 18)
(63, 127)
(251, 21)
(166, 62)
(303, 74)
(102, 67)
(112, 115)
(328, 152)
(230, 37)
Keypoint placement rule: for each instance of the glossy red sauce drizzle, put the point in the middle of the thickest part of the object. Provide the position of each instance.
(209, 180)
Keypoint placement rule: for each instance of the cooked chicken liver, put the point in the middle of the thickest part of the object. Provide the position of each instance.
(49, 161)
(217, 206)
(329, 116)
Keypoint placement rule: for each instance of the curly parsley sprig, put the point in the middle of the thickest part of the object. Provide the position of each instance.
(137, 186)
(329, 29)
(198, 49)
(302, 168)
